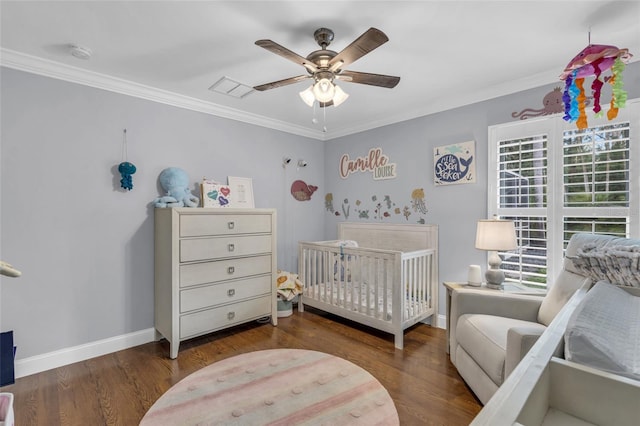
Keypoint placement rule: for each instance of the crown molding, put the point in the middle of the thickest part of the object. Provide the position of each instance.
(455, 100)
(37, 65)
(44, 67)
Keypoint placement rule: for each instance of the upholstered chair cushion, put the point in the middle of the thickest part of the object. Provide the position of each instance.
(484, 338)
(558, 295)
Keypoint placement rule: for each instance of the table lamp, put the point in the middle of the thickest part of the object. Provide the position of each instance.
(493, 235)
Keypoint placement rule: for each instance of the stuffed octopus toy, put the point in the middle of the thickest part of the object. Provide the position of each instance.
(176, 182)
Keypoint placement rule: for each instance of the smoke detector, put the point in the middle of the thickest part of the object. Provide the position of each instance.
(80, 52)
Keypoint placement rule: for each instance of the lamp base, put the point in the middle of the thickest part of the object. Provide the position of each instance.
(495, 278)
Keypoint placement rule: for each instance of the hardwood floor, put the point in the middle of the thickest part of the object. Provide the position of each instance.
(118, 388)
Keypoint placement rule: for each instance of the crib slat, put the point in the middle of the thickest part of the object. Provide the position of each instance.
(328, 276)
(350, 283)
(377, 277)
(409, 300)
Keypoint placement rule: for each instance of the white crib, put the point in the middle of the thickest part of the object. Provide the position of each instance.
(389, 282)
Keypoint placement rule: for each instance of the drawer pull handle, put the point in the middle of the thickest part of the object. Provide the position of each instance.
(231, 270)
(231, 292)
(231, 315)
(231, 247)
(231, 225)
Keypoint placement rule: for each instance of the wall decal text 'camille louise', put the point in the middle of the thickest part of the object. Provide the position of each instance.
(375, 162)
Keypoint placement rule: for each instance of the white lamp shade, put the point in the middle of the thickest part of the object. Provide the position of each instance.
(339, 97)
(307, 96)
(496, 234)
(324, 90)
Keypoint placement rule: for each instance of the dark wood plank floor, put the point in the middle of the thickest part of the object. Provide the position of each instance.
(117, 389)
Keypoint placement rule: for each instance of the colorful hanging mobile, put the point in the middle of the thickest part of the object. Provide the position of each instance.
(593, 60)
(126, 168)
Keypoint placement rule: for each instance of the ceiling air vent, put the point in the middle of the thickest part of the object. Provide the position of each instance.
(230, 87)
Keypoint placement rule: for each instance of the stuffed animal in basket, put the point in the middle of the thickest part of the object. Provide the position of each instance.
(176, 182)
(288, 285)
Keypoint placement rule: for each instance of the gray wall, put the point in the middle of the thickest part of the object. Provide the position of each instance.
(84, 245)
(454, 208)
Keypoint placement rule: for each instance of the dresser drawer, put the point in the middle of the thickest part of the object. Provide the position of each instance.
(197, 225)
(220, 270)
(225, 292)
(224, 316)
(221, 247)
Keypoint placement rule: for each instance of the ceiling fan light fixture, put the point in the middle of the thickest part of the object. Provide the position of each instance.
(325, 67)
(324, 90)
(340, 96)
(307, 96)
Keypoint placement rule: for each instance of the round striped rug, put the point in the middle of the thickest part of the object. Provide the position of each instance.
(276, 387)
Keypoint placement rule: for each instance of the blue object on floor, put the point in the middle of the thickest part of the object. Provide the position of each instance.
(7, 355)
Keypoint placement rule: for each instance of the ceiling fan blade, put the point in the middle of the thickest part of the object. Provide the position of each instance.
(368, 78)
(274, 47)
(280, 83)
(369, 40)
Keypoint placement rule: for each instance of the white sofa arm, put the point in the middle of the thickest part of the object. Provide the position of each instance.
(519, 341)
(463, 301)
(516, 306)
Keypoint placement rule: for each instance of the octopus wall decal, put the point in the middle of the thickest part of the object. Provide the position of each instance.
(552, 104)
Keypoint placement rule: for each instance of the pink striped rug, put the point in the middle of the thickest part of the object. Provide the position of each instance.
(276, 387)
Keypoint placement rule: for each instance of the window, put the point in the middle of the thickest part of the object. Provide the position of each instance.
(554, 180)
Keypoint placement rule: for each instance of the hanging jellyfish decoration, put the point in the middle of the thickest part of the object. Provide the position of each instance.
(593, 60)
(126, 168)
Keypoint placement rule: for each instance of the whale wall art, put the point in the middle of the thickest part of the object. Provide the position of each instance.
(454, 164)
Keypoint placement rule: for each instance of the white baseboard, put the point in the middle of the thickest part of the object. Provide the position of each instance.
(36, 364)
(442, 322)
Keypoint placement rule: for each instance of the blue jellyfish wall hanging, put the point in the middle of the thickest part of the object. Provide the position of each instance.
(126, 168)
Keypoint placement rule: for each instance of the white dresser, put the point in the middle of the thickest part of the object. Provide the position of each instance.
(214, 268)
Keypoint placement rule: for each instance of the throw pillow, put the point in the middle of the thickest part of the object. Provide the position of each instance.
(604, 331)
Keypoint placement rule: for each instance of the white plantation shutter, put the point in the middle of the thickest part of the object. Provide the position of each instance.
(596, 180)
(554, 180)
(522, 165)
(596, 167)
(528, 264)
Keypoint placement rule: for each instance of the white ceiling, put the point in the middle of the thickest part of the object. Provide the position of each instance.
(447, 53)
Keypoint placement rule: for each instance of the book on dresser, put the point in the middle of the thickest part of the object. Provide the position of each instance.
(214, 268)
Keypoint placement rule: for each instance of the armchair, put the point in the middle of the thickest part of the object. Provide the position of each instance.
(491, 332)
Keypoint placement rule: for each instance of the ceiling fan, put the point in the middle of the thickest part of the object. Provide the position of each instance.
(324, 66)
